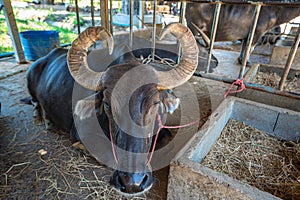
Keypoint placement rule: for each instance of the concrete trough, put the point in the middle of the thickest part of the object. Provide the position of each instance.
(269, 76)
(189, 179)
(252, 72)
(280, 54)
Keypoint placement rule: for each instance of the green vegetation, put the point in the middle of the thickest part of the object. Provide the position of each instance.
(34, 20)
(72, 17)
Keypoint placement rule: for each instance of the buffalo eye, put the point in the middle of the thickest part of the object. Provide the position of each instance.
(157, 102)
(106, 106)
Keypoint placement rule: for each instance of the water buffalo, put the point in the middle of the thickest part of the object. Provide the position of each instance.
(51, 80)
(235, 20)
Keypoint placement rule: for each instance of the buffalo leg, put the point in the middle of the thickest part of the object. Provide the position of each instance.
(49, 125)
(243, 51)
(242, 55)
(37, 114)
(40, 117)
(74, 134)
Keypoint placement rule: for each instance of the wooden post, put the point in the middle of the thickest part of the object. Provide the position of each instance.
(92, 13)
(111, 17)
(104, 13)
(77, 16)
(13, 31)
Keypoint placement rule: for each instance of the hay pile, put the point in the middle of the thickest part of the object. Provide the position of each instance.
(272, 80)
(258, 159)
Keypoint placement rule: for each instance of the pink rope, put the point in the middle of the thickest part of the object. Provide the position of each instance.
(160, 126)
(239, 82)
(112, 145)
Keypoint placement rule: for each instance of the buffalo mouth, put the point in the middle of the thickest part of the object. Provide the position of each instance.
(131, 184)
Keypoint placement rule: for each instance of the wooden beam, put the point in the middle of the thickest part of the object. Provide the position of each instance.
(104, 14)
(13, 31)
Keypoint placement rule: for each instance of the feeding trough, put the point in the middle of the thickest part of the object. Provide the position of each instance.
(189, 178)
(270, 76)
(280, 54)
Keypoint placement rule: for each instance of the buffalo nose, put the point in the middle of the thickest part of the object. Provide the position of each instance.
(132, 183)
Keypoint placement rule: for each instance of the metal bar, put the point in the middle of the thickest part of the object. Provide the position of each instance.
(143, 13)
(182, 11)
(92, 13)
(77, 16)
(154, 29)
(111, 16)
(181, 20)
(213, 33)
(250, 39)
(290, 59)
(130, 23)
(13, 31)
(250, 85)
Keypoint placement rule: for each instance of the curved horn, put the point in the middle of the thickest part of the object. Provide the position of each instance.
(77, 56)
(203, 35)
(189, 59)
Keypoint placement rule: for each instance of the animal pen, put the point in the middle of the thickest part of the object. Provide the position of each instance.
(246, 146)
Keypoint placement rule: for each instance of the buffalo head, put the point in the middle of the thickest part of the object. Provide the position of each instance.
(130, 98)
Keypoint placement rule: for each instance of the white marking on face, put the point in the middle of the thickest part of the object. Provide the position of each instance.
(84, 109)
(174, 106)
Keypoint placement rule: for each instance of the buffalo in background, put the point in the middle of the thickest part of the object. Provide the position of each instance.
(235, 20)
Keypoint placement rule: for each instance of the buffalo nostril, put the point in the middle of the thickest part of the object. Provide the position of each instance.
(116, 180)
(131, 183)
(121, 184)
(144, 182)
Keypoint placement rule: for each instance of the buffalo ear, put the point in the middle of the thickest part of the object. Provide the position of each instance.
(84, 108)
(169, 102)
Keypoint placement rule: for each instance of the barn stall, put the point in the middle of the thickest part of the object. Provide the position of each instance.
(37, 163)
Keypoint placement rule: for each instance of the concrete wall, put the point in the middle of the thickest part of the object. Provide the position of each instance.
(188, 179)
